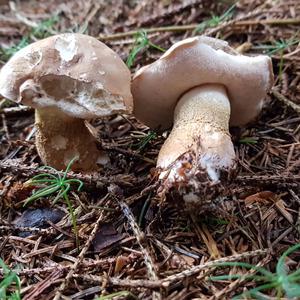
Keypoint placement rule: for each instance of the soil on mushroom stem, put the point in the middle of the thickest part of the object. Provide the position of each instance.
(126, 231)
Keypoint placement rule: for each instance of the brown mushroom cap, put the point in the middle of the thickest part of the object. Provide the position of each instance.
(156, 88)
(74, 73)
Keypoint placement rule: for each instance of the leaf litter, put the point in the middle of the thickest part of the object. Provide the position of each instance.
(256, 220)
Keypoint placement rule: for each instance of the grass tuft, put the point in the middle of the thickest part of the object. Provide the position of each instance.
(248, 140)
(144, 139)
(279, 47)
(286, 284)
(57, 185)
(43, 30)
(215, 20)
(9, 278)
(5, 54)
(141, 42)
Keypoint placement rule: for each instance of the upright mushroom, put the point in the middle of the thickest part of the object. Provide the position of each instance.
(67, 78)
(202, 86)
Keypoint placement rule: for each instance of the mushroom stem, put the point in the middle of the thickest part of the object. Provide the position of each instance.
(60, 138)
(199, 147)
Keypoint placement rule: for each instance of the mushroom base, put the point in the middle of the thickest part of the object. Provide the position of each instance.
(60, 138)
(186, 179)
(198, 157)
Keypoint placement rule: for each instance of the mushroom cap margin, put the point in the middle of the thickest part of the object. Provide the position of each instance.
(196, 61)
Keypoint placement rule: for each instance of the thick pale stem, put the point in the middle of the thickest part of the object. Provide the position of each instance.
(60, 138)
(200, 139)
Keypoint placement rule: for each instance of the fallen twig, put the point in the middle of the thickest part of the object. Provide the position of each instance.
(190, 27)
(24, 20)
(259, 180)
(42, 285)
(85, 265)
(94, 179)
(233, 285)
(286, 101)
(141, 239)
(166, 282)
(196, 269)
(79, 259)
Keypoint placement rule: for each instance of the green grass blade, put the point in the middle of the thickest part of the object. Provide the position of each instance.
(66, 188)
(237, 276)
(7, 281)
(48, 168)
(43, 29)
(131, 58)
(282, 45)
(247, 266)
(253, 292)
(295, 275)
(42, 193)
(283, 278)
(41, 176)
(145, 140)
(277, 46)
(228, 13)
(72, 181)
(58, 196)
(15, 296)
(53, 170)
(291, 290)
(4, 266)
(280, 267)
(248, 140)
(71, 211)
(73, 218)
(141, 42)
(118, 294)
(201, 27)
(38, 181)
(3, 293)
(69, 166)
(10, 279)
(157, 47)
(7, 53)
(215, 20)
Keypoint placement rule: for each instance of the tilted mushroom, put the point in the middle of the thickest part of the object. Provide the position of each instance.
(202, 86)
(67, 78)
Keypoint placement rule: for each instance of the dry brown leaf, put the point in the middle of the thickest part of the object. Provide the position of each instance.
(37, 218)
(19, 192)
(269, 215)
(190, 261)
(280, 205)
(263, 197)
(267, 197)
(273, 151)
(178, 261)
(121, 261)
(106, 236)
(209, 242)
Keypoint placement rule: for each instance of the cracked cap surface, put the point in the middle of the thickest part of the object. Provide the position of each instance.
(74, 73)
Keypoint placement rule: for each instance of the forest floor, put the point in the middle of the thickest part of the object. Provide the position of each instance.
(131, 243)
